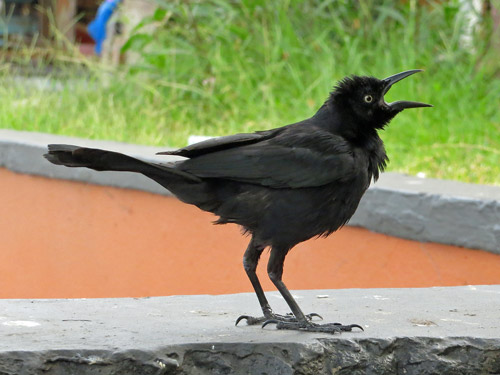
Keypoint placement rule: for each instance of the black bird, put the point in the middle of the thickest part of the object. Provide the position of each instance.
(282, 186)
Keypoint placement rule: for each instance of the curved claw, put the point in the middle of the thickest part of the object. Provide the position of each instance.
(312, 315)
(241, 317)
(356, 326)
(270, 321)
(344, 328)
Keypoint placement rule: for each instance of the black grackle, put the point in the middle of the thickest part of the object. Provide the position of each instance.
(283, 186)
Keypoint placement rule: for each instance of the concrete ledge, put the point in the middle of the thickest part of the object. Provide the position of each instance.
(22, 152)
(432, 210)
(407, 331)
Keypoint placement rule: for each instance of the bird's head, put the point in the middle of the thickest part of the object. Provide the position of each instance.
(361, 99)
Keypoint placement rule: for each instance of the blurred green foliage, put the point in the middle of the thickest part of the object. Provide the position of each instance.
(218, 67)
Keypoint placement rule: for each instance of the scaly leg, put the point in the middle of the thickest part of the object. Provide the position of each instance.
(250, 261)
(302, 322)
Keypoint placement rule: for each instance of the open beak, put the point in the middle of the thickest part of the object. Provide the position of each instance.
(401, 104)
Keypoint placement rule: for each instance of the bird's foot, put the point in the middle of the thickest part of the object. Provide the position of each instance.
(288, 318)
(308, 326)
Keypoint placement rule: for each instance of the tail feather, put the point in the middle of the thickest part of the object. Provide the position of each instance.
(102, 160)
(62, 155)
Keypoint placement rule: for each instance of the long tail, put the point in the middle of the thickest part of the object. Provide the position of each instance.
(102, 160)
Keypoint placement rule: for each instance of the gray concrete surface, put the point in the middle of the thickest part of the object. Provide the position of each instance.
(433, 210)
(453, 330)
(22, 152)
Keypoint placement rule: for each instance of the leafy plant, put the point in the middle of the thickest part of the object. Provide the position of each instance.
(217, 67)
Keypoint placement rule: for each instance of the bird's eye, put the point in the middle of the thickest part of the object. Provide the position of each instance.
(368, 98)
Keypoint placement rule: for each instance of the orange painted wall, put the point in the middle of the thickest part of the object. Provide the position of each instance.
(61, 239)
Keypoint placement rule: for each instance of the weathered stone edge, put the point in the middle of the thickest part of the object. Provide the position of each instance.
(431, 210)
(416, 355)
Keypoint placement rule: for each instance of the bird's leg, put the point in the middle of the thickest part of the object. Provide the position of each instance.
(302, 321)
(250, 261)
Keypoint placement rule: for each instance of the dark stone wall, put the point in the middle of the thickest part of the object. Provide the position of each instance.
(402, 356)
(420, 331)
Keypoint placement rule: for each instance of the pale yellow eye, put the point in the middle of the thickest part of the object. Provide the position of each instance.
(368, 98)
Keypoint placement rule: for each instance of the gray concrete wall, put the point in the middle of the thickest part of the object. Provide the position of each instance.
(440, 211)
(424, 331)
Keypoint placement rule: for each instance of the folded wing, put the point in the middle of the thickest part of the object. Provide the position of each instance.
(221, 143)
(277, 163)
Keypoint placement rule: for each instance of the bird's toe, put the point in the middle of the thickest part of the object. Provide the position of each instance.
(308, 326)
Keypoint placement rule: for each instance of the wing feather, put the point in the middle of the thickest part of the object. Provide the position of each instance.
(275, 164)
(221, 143)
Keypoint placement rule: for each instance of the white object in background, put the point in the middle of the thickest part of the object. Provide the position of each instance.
(21, 323)
(197, 138)
(471, 11)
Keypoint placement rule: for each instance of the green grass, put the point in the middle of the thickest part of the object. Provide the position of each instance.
(220, 67)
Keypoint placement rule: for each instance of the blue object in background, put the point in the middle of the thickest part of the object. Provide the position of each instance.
(97, 28)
